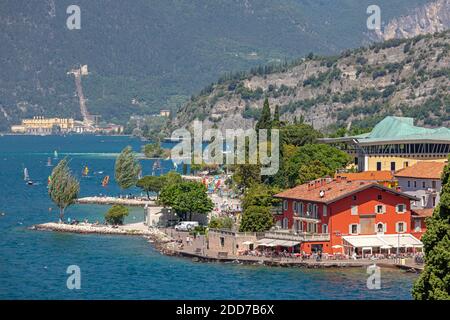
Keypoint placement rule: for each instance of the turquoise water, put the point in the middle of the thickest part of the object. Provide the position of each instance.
(33, 264)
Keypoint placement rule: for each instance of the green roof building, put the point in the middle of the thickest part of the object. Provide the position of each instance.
(395, 143)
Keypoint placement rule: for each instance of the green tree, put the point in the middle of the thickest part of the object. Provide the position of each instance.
(256, 219)
(313, 171)
(434, 282)
(297, 160)
(127, 169)
(63, 187)
(246, 175)
(172, 177)
(116, 214)
(186, 198)
(299, 135)
(151, 184)
(276, 117)
(264, 121)
(260, 195)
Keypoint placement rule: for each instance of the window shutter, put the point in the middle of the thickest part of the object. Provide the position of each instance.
(385, 227)
(359, 228)
(349, 229)
(384, 208)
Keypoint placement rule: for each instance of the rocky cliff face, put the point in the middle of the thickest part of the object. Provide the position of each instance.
(398, 77)
(430, 18)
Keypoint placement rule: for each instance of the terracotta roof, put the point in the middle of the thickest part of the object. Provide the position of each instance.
(368, 175)
(422, 212)
(423, 170)
(333, 190)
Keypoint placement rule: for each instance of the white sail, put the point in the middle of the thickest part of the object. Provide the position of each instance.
(25, 174)
(55, 154)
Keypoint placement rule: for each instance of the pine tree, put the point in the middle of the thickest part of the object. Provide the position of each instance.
(63, 187)
(434, 282)
(126, 169)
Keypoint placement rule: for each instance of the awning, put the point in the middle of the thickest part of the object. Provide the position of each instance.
(290, 243)
(275, 242)
(364, 241)
(383, 241)
(247, 243)
(402, 240)
(264, 242)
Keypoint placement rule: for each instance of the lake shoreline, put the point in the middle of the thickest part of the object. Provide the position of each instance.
(168, 246)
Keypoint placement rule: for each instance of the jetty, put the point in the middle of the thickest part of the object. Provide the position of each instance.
(132, 229)
(132, 202)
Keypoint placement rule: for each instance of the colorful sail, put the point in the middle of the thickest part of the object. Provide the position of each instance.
(85, 171)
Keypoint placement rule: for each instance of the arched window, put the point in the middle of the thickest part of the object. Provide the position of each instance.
(324, 228)
(285, 223)
(380, 228)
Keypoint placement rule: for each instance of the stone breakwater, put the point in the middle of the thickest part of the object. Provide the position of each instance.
(153, 235)
(115, 200)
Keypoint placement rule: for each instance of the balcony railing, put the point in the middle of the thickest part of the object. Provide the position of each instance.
(300, 236)
(307, 216)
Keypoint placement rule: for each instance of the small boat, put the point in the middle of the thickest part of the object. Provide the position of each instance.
(49, 162)
(30, 182)
(105, 181)
(85, 171)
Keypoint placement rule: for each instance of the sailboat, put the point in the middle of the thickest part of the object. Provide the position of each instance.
(49, 162)
(55, 154)
(26, 177)
(85, 171)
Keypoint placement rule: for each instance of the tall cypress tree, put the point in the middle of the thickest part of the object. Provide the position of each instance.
(126, 169)
(434, 282)
(276, 117)
(265, 120)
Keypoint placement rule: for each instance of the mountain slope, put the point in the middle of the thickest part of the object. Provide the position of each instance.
(430, 18)
(397, 77)
(158, 52)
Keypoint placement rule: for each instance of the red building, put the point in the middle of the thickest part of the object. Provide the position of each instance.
(343, 216)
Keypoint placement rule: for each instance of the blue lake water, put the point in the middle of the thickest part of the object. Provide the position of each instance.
(33, 263)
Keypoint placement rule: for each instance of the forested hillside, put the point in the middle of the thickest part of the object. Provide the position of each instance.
(398, 77)
(158, 52)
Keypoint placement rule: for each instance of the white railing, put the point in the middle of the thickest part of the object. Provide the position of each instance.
(301, 236)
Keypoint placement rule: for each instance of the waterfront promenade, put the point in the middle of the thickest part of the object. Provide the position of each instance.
(175, 243)
(196, 248)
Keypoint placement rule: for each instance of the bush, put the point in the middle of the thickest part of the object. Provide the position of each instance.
(221, 223)
(116, 214)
